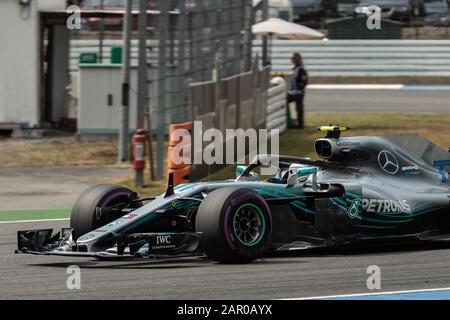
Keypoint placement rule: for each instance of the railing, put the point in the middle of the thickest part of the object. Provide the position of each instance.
(332, 57)
(364, 57)
(237, 102)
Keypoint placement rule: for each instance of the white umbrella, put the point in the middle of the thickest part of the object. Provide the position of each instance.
(285, 29)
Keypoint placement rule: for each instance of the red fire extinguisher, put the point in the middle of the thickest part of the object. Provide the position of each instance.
(138, 149)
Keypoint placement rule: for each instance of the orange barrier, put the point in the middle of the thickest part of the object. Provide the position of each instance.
(177, 155)
(174, 140)
(181, 175)
(181, 171)
(280, 73)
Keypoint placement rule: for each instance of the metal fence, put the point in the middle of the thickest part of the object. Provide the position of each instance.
(190, 36)
(185, 41)
(203, 33)
(239, 101)
(364, 57)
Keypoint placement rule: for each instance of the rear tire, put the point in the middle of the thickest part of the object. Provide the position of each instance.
(236, 224)
(82, 218)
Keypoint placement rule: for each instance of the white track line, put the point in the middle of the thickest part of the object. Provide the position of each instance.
(356, 86)
(41, 220)
(378, 87)
(378, 293)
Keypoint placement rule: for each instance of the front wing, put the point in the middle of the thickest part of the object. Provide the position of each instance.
(137, 245)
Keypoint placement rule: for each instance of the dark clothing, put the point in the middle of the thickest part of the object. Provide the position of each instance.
(299, 82)
(299, 79)
(298, 99)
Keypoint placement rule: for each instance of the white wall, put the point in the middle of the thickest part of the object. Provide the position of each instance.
(43, 5)
(94, 114)
(19, 60)
(60, 72)
(362, 58)
(19, 56)
(97, 81)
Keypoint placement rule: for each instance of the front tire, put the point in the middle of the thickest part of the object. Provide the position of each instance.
(83, 219)
(236, 224)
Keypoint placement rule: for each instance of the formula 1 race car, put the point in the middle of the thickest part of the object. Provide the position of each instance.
(364, 189)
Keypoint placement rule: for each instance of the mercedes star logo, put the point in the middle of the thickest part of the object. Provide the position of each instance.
(388, 162)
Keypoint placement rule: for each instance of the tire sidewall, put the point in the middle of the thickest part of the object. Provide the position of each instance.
(228, 212)
(82, 218)
(214, 220)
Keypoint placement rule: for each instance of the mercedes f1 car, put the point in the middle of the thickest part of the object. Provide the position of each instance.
(363, 189)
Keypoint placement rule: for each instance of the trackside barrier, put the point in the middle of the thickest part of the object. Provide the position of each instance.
(181, 175)
(336, 58)
(242, 101)
(181, 171)
(236, 102)
(363, 57)
(276, 105)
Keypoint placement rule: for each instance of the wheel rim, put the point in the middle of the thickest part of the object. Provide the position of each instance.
(249, 224)
(113, 199)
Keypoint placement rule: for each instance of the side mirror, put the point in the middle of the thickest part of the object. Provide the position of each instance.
(302, 174)
(240, 170)
(252, 176)
(307, 170)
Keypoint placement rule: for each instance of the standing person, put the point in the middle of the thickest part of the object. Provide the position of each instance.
(299, 82)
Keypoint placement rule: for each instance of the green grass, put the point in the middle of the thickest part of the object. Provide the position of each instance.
(432, 126)
(34, 214)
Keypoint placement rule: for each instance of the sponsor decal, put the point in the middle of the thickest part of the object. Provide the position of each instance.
(163, 242)
(388, 162)
(410, 170)
(386, 206)
(165, 239)
(113, 224)
(346, 143)
(441, 164)
(353, 210)
(130, 216)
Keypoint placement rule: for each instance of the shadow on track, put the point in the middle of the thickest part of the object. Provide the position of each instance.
(172, 263)
(364, 249)
(192, 262)
(203, 261)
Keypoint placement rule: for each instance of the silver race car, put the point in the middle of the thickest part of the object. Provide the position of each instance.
(364, 189)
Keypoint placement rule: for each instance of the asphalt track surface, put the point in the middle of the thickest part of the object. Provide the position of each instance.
(305, 274)
(377, 100)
